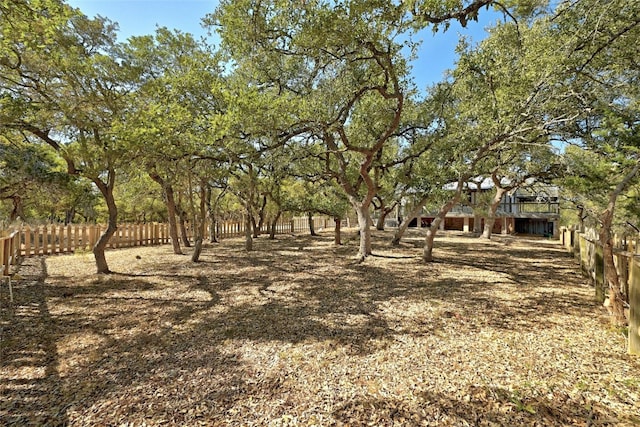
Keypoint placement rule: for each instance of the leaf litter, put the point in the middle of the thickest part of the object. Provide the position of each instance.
(501, 332)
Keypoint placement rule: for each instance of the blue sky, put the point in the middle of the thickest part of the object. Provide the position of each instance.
(141, 17)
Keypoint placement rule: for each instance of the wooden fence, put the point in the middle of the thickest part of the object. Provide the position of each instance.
(587, 249)
(60, 239)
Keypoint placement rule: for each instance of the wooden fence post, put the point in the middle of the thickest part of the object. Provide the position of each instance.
(37, 240)
(27, 241)
(634, 305)
(61, 238)
(52, 241)
(136, 235)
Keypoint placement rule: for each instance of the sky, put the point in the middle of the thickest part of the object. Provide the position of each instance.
(142, 17)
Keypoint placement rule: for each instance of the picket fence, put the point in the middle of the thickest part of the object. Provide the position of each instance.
(60, 239)
(588, 250)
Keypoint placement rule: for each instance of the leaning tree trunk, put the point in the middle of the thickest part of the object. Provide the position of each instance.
(171, 211)
(274, 224)
(384, 212)
(402, 228)
(183, 228)
(427, 256)
(17, 211)
(616, 299)
(112, 223)
(491, 217)
(171, 214)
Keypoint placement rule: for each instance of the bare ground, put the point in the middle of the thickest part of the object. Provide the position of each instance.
(495, 333)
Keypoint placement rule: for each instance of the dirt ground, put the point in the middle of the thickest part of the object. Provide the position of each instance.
(494, 333)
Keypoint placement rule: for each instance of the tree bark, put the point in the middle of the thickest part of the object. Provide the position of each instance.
(199, 221)
(274, 223)
(248, 236)
(384, 212)
(364, 228)
(477, 224)
(171, 210)
(490, 220)
(616, 299)
(183, 227)
(254, 228)
(261, 218)
(402, 228)
(213, 237)
(173, 224)
(435, 225)
(69, 215)
(337, 233)
(17, 211)
(112, 223)
(312, 229)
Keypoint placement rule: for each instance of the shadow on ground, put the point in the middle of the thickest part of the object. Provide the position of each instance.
(164, 345)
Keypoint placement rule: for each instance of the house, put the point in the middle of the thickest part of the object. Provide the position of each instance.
(531, 209)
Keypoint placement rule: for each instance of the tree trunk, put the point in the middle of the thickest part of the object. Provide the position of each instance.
(364, 229)
(427, 255)
(17, 211)
(248, 236)
(69, 215)
(211, 211)
(112, 223)
(312, 229)
(183, 228)
(384, 212)
(173, 224)
(402, 228)
(261, 217)
(491, 217)
(274, 224)
(581, 218)
(477, 224)
(337, 234)
(214, 229)
(167, 188)
(199, 221)
(616, 299)
(435, 225)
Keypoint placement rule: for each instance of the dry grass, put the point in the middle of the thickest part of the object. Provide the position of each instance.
(494, 333)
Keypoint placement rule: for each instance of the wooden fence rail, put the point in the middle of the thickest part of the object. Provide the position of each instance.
(587, 249)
